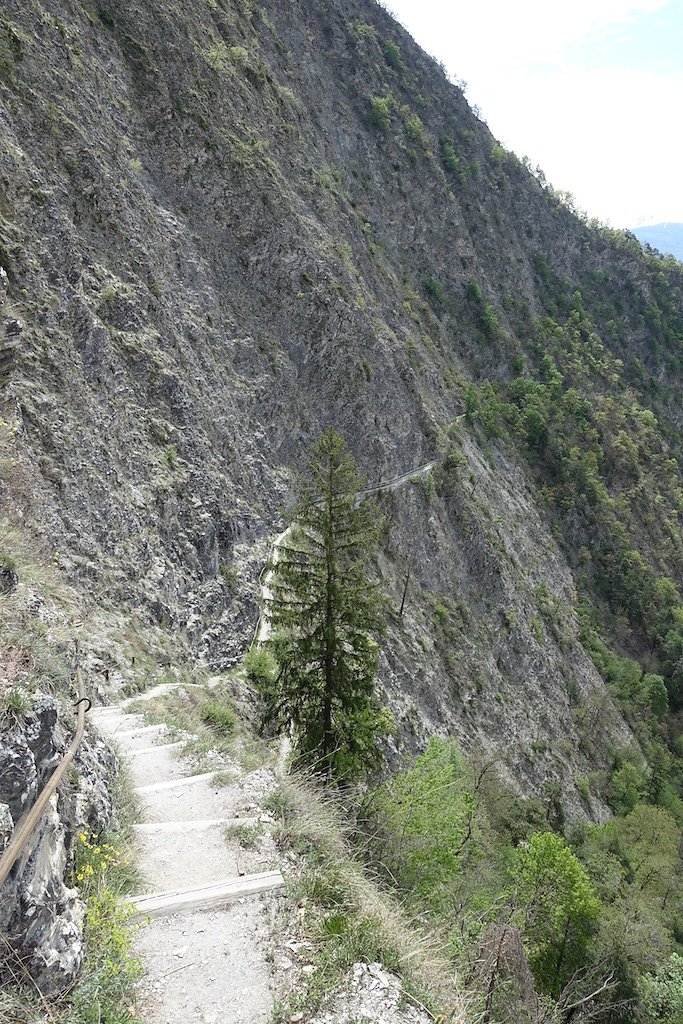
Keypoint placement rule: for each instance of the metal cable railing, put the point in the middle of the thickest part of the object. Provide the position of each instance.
(26, 826)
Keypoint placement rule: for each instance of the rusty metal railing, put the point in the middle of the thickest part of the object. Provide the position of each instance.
(27, 824)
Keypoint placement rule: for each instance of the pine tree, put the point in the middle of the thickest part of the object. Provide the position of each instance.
(323, 612)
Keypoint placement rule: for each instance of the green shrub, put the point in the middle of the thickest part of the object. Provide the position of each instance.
(108, 296)
(662, 992)
(415, 129)
(248, 836)
(260, 665)
(14, 705)
(239, 55)
(489, 320)
(427, 819)
(380, 112)
(220, 717)
(449, 157)
(473, 291)
(627, 787)
(434, 289)
(392, 54)
(171, 455)
(558, 907)
(584, 788)
(104, 992)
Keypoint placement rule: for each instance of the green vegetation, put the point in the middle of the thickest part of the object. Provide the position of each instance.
(450, 159)
(219, 716)
(14, 705)
(347, 916)
(210, 722)
(596, 907)
(323, 613)
(380, 112)
(104, 872)
(434, 289)
(261, 666)
(171, 455)
(248, 836)
(392, 55)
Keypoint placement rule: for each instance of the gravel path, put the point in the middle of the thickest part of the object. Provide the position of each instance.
(206, 964)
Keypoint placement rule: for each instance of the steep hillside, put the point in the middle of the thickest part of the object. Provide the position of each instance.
(226, 225)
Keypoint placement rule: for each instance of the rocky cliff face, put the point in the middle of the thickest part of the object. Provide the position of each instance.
(226, 225)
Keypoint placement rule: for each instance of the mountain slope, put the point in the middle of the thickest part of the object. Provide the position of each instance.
(225, 226)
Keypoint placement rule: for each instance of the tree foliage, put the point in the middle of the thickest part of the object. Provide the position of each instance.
(324, 613)
(558, 907)
(427, 815)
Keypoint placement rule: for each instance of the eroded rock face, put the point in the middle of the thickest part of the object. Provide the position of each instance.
(40, 915)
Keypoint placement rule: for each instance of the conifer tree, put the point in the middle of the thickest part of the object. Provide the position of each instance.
(324, 611)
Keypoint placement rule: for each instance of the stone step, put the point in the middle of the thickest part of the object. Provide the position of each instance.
(177, 860)
(112, 714)
(159, 746)
(118, 723)
(152, 765)
(188, 780)
(177, 900)
(200, 799)
(160, 690)
(130, 741)
(196, 825)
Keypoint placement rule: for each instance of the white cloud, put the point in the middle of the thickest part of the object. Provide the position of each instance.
(608, 135)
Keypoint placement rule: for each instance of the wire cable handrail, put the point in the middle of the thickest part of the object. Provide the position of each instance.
(27, 824)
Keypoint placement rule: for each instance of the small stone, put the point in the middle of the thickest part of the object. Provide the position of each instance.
(13, 328)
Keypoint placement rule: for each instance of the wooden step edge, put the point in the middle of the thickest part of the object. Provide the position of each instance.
(157, 748)
(177, 900)
(115, 734)
(187, 780)
(106, 723)
(195, 825)
(156, 691)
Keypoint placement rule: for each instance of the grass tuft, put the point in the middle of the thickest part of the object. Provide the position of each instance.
(347, 916)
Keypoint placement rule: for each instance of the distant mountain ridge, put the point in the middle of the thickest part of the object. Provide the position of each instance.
(668, 238)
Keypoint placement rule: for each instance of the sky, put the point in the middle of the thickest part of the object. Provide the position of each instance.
(592, 91)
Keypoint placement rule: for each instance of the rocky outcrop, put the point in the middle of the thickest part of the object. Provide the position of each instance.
(41, 916)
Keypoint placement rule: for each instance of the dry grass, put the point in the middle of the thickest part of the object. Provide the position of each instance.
(348, 916)
(186, 712)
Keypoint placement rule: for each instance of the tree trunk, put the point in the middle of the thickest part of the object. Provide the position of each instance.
(328, 736)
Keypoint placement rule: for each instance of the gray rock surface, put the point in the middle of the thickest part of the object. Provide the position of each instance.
(41, 917)
(371, 994)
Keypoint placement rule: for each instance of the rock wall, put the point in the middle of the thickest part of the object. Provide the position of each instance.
(41, 917)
